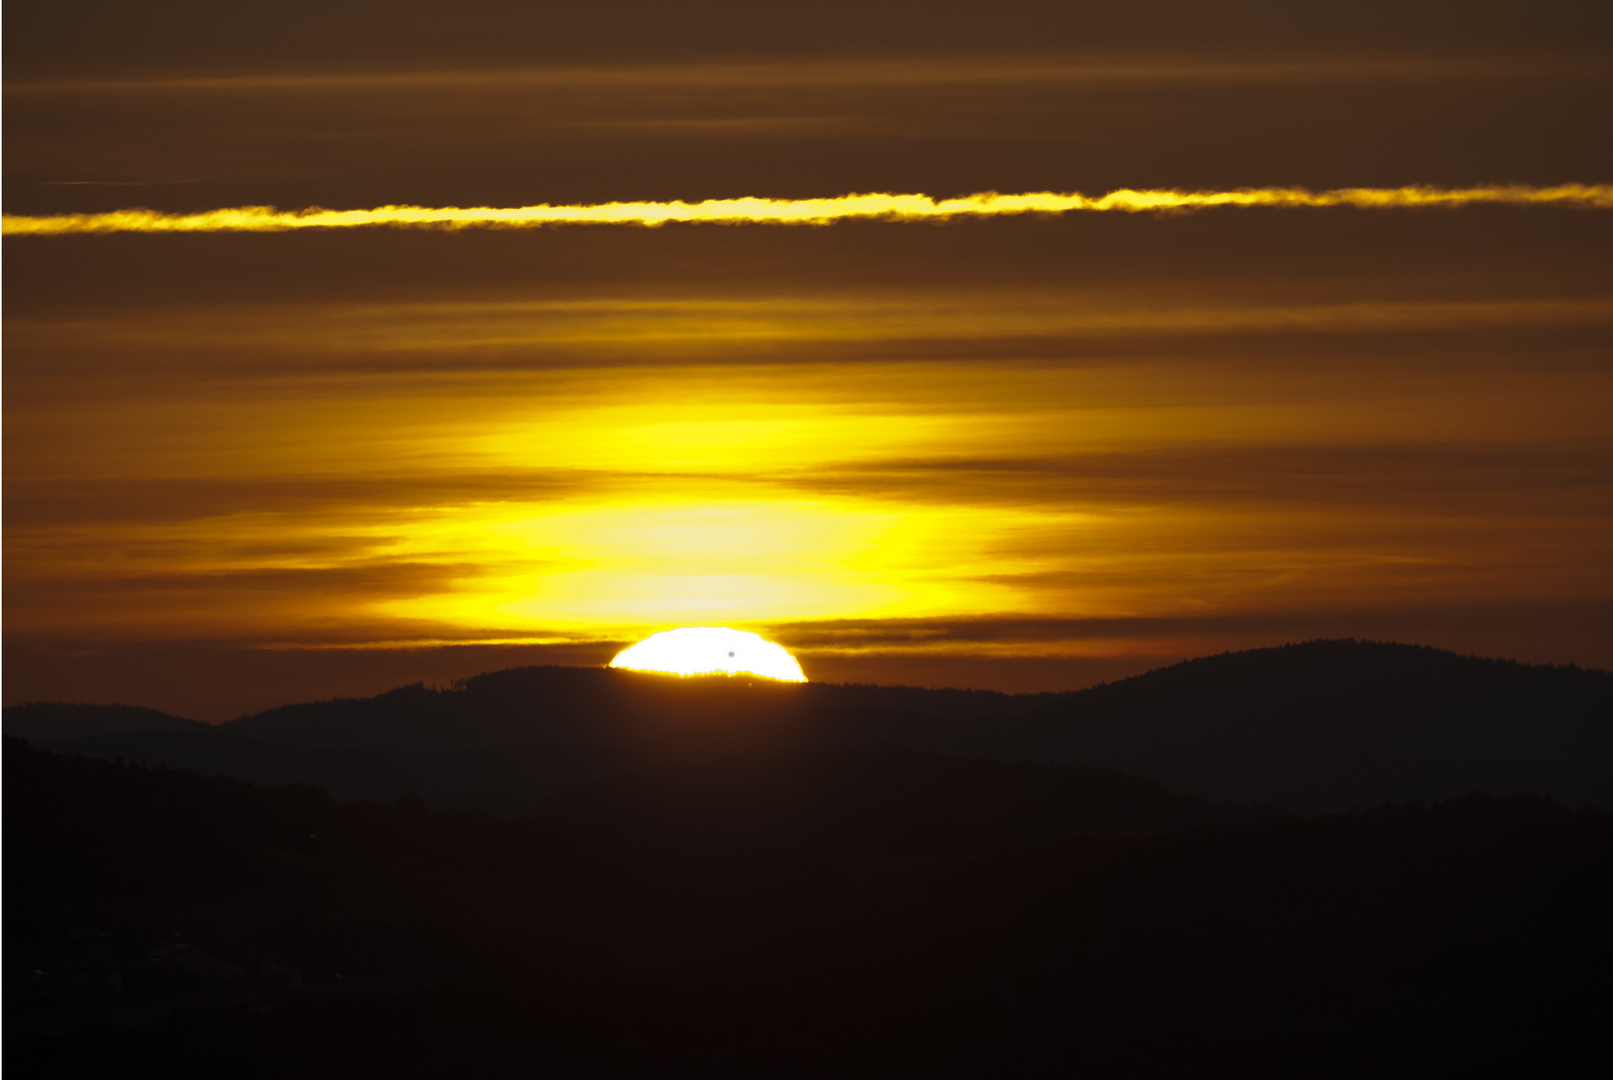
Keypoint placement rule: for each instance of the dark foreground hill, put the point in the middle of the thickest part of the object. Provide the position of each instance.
(868, 912)
(1321, 726)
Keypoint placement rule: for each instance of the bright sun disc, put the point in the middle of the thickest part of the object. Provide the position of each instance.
(710, 650)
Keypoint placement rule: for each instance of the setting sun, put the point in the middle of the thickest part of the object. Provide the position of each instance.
(710, 650)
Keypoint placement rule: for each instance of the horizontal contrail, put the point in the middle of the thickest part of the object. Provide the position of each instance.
(753, 211)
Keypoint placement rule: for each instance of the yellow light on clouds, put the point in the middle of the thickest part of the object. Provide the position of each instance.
(762, 211)
(685, 556)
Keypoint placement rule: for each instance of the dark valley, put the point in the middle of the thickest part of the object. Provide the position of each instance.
(598, 873)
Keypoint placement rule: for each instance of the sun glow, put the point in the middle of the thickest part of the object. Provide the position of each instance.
(710, 650)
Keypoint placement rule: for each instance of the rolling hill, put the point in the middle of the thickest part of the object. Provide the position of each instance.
(1314, 727)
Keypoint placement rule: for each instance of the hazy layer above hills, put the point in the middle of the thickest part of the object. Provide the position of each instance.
(1313, 727)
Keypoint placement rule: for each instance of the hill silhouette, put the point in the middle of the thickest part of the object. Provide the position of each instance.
(1331, 724)
(860, 912)
(49, 721)
(1315, 727)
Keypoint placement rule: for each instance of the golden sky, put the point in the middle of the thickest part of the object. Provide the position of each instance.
(1019, 451)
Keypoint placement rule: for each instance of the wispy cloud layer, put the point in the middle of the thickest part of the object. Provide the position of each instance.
(762, 211)
(1017, 70)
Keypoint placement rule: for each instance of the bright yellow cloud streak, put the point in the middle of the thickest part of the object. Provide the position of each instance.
(759, 211)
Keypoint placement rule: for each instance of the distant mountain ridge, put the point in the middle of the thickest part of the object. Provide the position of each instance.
(1319, 726)
(1334, 724)
(49, 721)
(602, 706)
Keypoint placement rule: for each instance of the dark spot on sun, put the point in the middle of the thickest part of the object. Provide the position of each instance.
(730, 654)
